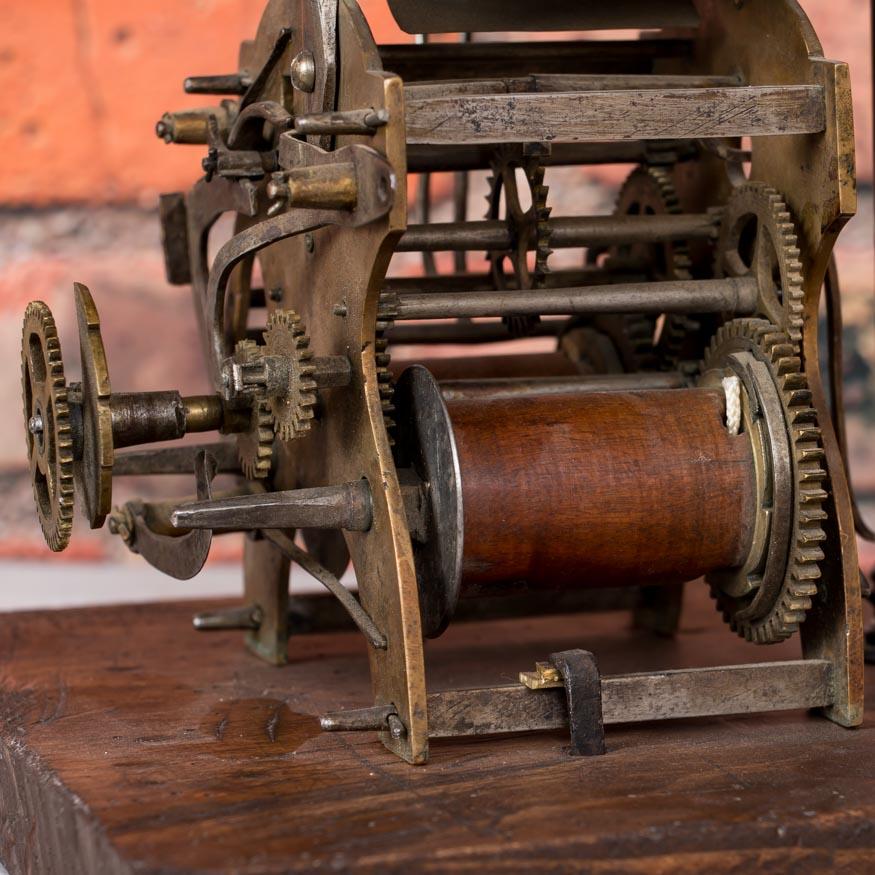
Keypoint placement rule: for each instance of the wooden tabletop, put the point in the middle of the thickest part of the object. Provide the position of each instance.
(131, 743)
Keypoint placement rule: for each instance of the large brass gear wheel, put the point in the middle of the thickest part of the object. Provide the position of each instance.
(47, 424)
(758, 238)
(255, 444)
(771, 614)
(529, 227)
(292, 410)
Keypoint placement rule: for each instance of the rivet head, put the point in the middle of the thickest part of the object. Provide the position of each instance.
(304, 71)
(35, 424)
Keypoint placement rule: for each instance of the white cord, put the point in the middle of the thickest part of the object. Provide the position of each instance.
(732, 390)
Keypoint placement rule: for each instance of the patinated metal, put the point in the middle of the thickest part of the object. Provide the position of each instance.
(684, 333)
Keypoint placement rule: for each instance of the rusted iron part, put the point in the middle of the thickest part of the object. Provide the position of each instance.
(228, 83)
(628, 698)
(732, 295)
(565, 232)
(146, 530)
(583, 691)
(332, 507)
(351, 605)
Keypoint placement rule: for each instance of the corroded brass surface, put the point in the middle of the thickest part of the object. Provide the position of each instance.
(743, 139)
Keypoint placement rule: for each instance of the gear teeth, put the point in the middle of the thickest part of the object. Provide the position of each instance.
(507, 161)
(255, 445)
(758, 199)
(55, 502)
(653, 186)
(775, 348)
(291, 413)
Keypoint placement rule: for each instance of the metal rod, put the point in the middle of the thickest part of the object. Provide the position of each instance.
(617, 271)
(356, 612)
(499, 388)
(175, 460)
(565, 233)
(468, 332)
(231, 83)
(731, 295)
(630, 698)
(558, 82)
(433, 158)
(358, 719)
(325, 507)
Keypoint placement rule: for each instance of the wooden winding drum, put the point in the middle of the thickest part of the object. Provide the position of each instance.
(608, 488)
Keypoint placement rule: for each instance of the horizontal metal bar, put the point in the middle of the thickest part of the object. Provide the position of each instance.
(545, 83)
(480, 59)
(468, 332)
(632, 698)
(347, 506)
(599, 116)
(565, 232)
(499, 388)
(231, 83)
(617, 271)
(175, 460)
(732, 295)
(423, 158)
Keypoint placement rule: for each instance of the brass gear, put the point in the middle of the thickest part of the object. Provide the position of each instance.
(255, 444)
(47, 424)
(530, 228)
(292, 411)
(776, 621)
(386, 385)
(650, 191)
(758, 238)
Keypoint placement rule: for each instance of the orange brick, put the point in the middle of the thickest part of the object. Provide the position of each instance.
(85, 81)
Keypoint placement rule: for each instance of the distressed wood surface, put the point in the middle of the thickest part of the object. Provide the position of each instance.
(129, 743)
(602, 116)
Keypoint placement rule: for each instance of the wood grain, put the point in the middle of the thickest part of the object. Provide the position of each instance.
(604, 116)
(607, 489)
(130, 743)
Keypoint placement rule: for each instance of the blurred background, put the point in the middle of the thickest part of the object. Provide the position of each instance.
(83, 83)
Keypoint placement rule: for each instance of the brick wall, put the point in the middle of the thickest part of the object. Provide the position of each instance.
(84, 82)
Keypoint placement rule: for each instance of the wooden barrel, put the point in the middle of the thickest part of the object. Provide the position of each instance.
(556, 492)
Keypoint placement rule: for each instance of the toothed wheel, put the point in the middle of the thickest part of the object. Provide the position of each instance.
(649, 191)
(255, 445)
(383, 360)
(291, 409)
(529, 228)
(758, 238)
(47, 424)
(758, 615)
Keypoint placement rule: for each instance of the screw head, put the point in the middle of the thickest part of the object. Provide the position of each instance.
(35, 425)
(304, 71)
